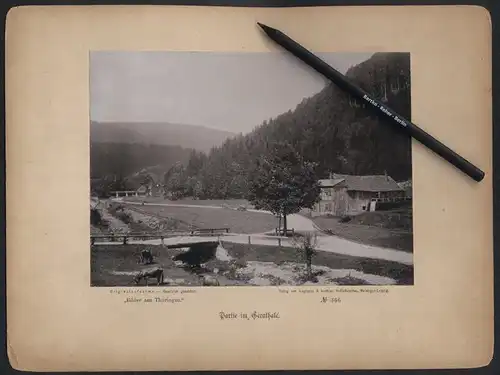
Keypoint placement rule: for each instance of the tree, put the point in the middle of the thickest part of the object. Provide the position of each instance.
(306, 246)
(238, 186)
(198, 189)
(194, 187)
(146, 179)
(95, 217)
(284, 183)
(175, 180)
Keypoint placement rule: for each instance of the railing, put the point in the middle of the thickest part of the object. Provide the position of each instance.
(221, 233)
(125, 237)
(210, 230)
(398, 199)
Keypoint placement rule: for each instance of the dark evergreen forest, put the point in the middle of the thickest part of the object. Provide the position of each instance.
(330, 129)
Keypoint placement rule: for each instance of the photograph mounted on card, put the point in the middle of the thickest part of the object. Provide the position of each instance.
(282, 181)
(188, 185)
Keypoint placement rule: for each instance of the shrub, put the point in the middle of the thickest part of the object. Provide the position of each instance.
(386, 206)
(275, 281)
(95, 217)
(125, 217)
(345, 219)
(238, 263)
(306, 248)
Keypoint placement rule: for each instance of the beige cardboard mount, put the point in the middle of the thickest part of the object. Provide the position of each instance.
(56, 322)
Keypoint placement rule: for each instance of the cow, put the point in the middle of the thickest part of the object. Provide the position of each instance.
(155, 273)
(207, 280)
(146, 257)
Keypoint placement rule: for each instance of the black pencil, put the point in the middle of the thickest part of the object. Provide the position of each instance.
(344, 83)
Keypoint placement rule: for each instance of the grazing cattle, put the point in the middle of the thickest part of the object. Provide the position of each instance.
(209, 280)
(155, 273)
(146, 257)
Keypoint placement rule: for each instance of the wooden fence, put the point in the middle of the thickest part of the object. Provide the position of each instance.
(125, 237)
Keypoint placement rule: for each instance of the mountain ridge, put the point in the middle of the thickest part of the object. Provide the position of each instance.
(198, 137)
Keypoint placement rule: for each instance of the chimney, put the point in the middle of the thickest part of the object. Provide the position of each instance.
(386, 176)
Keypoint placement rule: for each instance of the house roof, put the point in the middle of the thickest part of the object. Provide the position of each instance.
(330, 182)
(363, 183)
(405, 184)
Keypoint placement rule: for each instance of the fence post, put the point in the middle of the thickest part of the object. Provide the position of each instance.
(249, 240)
(162, 241)
(125, 239)
(279, 241)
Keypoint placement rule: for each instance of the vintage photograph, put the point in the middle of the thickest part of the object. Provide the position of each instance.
(247, 169)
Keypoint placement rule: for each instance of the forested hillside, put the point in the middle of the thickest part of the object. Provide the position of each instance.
(158, 133)
(328, 128)
(123, 160)
(123, 155)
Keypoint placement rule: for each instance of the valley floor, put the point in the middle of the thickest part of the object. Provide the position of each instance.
(249, 254)
(241, 264)
(385, 234)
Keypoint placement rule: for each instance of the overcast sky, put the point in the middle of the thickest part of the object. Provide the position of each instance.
(228, 91)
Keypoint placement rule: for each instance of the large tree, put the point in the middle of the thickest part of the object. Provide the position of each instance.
(283, 182)
(175, 180)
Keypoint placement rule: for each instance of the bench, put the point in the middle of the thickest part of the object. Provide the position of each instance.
(281, 232)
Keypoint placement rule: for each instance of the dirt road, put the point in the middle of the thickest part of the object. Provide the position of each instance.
(328, 243)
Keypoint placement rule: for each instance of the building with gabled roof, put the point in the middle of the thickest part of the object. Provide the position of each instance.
(143, 190)
(343, 194)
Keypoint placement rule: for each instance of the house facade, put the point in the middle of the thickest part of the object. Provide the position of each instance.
(151, 190)
(407, 187)
(142, 191)
(350, 195)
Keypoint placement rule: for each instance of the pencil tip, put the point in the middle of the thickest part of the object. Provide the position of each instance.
(264, 27)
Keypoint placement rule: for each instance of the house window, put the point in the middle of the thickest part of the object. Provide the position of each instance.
(395, 86)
